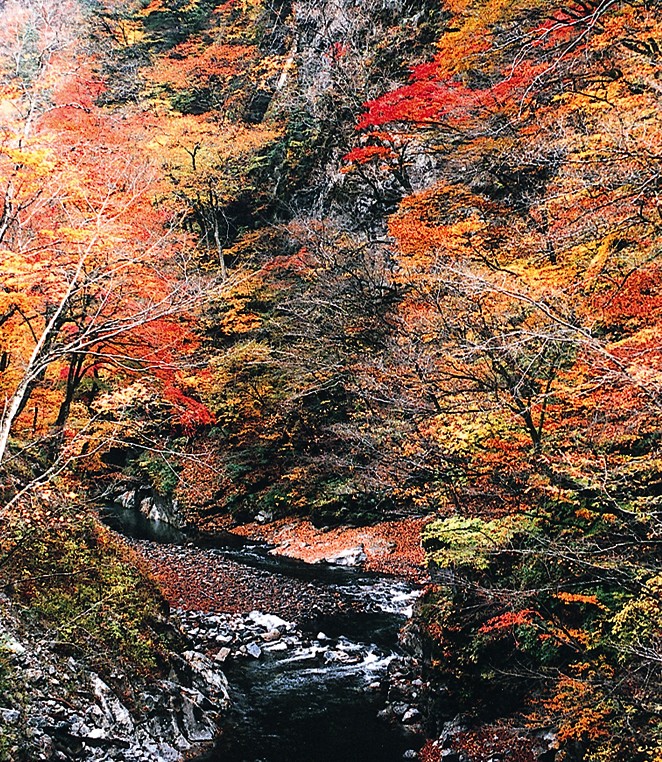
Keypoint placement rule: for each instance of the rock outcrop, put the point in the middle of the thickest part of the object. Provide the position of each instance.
(152, 506)
(58, 708)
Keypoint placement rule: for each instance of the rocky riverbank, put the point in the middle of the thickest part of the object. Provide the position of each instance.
(282, 676)
(291, 633)
(58, 708)
(390, 547)
(255, 636)
(292, 637)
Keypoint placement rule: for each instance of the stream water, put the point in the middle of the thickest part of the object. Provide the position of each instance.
(318, 699)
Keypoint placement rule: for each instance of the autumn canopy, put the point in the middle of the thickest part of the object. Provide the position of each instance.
(408, 265)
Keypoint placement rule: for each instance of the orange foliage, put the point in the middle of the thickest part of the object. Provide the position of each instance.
(508, 620)
(197, 64)
(578, 598)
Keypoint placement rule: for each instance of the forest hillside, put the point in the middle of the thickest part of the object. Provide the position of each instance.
(348, 263)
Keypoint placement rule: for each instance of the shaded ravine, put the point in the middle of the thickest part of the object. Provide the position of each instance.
(313, 689)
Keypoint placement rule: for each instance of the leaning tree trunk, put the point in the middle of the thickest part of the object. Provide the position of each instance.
(37, 364)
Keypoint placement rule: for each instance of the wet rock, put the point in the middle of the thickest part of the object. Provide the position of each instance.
(268, 621)
(206, 677)
(399, 709)
(341, 657)
(157, 508)
(410, 716)
(10, 716)
(450, 730)
(252, 649)
(197, 724)
(280, 646)
(350, 557)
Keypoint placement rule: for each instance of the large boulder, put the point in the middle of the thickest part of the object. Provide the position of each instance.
(354, 557)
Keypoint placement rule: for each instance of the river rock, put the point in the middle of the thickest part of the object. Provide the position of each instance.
(263, 517)
(268, 621)
(448, 755)
(254, 650)
(341, 657)
(410, 716)
(450, 729)
(222, 654)
(270, 636)
(350, 557)
(127, 499)
(196, 722)
(10, 716)
(279, 646)
(206, 677)
(120, 717)
(154, 507)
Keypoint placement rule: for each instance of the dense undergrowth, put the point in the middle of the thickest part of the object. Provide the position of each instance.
(553, 621)
(71, 578)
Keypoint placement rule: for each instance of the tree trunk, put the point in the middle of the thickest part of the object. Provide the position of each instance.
(36, 365)
(74, 377)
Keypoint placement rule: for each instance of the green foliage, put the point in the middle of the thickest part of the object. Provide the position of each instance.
(559, 617)
(159, 472)
(73, 577)
(638, 621)
(175, 20)
(339, 502)
(293, 158)
(459, 541)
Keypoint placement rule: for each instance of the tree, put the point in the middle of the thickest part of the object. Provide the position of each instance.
(529, 349)
(207, 164)
(96, 274)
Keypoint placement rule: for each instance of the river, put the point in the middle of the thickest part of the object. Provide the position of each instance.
(326, 685)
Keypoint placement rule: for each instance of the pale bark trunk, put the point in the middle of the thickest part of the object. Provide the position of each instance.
(35, 366)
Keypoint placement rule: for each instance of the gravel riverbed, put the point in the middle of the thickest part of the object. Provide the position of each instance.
(204, 580)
